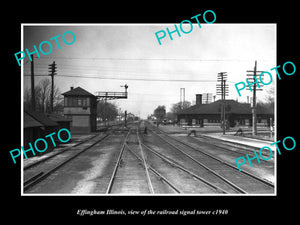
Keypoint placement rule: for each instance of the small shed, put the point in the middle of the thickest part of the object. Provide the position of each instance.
(32, 129)
(38, 125)
(62, 121)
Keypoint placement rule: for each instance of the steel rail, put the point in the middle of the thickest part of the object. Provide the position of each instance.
(269, 184)
(203, 166)
(157, 173)
(150, 186)
(226, 143)
(175, 164)
(110, 184)
(42, 175)
(33, 178)
(63, 150)
(55, 154)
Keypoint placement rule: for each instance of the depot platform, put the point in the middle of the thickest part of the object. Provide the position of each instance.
(216, 132)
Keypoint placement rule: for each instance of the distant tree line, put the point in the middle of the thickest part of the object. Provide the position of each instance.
(106, 111)
(160, 112)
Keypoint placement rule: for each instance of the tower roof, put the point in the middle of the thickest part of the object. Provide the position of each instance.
(77, 92)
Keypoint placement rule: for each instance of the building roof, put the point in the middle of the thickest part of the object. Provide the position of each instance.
(231, 106)
(78, 92)
(41, 118)
(130, 114)
(30, 121)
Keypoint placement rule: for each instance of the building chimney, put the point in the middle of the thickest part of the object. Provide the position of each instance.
(72, 88)
(198, 99)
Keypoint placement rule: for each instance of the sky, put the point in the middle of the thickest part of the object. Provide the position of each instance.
(104, 57)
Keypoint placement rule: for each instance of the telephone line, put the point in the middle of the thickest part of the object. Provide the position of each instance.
(121, 78)
(113, 70)
(149, 59)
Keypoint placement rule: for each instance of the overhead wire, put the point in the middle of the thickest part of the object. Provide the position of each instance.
(125, 78)
(65, 68)
(149, 59)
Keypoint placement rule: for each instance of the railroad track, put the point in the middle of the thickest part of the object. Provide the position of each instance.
(42, 170)
(56, 154)
(242, 182)
(234, 148)
(157, 164)
(197, 183)
(140, 169)
(110, 130)
(132, 173)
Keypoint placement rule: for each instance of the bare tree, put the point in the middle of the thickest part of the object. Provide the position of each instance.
(106, 110)
(270, 94)
(42, 97)
(180, 106)
(45, 93)
(160, 112)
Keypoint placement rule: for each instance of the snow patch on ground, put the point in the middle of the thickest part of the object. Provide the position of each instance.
(89, 182)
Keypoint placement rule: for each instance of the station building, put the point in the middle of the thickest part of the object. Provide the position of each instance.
(81, 107)
(237, 114)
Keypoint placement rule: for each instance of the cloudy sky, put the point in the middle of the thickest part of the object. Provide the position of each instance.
(106, 56)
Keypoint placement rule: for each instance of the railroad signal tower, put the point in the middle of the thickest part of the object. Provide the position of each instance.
(109, 95)
(222, 89)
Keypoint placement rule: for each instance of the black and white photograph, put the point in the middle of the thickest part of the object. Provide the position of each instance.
(149, 111)
(120, 109)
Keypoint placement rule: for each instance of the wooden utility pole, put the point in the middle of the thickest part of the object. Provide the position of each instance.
(222, 89)
(105, 111)
(254, 127)
(52, 68)
(125, 119)
(32, 86)
(223, 116)
(253, 78)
